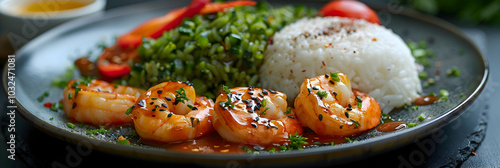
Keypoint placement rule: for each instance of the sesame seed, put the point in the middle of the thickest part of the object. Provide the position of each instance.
(74, 105)
(291, 116)
(251, 93)
(163, 109)
(194, 108)
(159, 91)
(261, 95)
(256, 119)
(272, 91)
(326, 76)
(164, 105)
(168, 98)
(250, 111)
(333, 83)
(315, 88)
(254, 125)
(153, 110)
(348, 109)
(153, 115)
(151, 103)
(169, 115)
(346, 114)
(250, 88)
(320, 117)
(265, 92)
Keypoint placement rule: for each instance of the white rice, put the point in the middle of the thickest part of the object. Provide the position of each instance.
(376, 60)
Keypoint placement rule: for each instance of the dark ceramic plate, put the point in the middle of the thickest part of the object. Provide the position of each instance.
(48, 56)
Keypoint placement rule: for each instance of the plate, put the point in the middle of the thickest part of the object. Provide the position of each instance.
(48, 56)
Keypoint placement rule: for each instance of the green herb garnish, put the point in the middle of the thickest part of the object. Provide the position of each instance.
(180, 97)
(421, 117)
(322, 94)
(335, 77)
(288, 111)
(411, 125)
(453, 71)
(414, 107)
(71, 125)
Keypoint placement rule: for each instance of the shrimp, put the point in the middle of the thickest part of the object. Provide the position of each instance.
(254, 116)
(98, 102)
(172, 112)
(329, 106)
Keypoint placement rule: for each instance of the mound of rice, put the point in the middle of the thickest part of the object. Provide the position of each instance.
(376, 60)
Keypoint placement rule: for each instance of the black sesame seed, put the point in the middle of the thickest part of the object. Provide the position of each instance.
(254, 98)
(153, 115)
(74, 105)
(272, 91)
(256, 119)
(251, 93)
(249, 105)
(254, 125)
(194, 108)
(163, 109)
(151, 103)
(274, 126)
(153, 110)
(333, 83)
(169, 115)
(320, 117)
(159, 91)
(250, 89)
(326, 76)
(142, 103)
(265, 92)
(168, 98)
(164, 105)
(250, 111)
(247, 101)
(348, 109)
(309, 90)
(291, 116)
(335, 94)
(349, 105)
(315, 88)
(346, 114)
(256, 108)
(267, 126)
(261, 95)
(341, 126)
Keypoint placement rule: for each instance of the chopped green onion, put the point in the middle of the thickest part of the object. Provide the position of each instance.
(421, 117)
(412, 125)
(71, 125)
(335, 77)
(322, 94)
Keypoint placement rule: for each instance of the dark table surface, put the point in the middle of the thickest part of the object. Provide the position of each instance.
(473, 140)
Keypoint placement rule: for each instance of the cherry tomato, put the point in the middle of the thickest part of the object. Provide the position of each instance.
(351, 9)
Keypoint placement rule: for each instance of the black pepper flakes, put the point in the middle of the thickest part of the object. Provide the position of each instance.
(254, 125)
(320, 117)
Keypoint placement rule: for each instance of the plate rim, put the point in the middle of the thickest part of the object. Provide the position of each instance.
(185, 157)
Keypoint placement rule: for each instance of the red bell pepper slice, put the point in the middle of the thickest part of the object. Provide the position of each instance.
(216, 7)
(113, 63)
(155, 27)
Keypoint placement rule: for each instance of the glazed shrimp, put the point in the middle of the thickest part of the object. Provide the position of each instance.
(98, 102)
(329, 106)
(170, 112)
(254, 116)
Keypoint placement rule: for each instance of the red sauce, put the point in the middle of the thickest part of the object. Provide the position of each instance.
(391, 126)
(426, 100)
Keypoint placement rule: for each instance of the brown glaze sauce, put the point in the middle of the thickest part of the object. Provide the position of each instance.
(426, 100)
(214, 143)
(391, 126)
